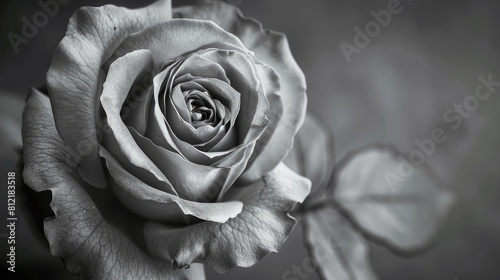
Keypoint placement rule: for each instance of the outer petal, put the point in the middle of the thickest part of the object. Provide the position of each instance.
(312, 155)
(78, 234)
(154, 204)
(271, 48)
(261, 228)
(135, 110)
(178, 37)
(75, 76)
(121, 75)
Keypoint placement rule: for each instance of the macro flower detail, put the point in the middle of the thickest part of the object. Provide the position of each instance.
(184, 120)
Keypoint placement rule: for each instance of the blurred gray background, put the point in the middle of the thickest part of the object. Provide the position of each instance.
(395, 90)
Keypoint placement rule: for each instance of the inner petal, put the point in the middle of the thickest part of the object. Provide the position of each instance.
(179, 113)
(201, 113)
(202, 101)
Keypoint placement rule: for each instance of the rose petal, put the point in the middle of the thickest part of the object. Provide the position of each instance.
(153, 204)
(241, 70)
(194, 66)
(272, 87)
(192, 181)
(78, 233)
(135, 110)
(160, 131)
(312, 155)
(184, 130)
(261, 228)
(176, 37)
(120, 77)
(236, 171)
(198, 65)
(251, 119)
(231, 96)
(147, 177)
(74, 77)
(179, 102)
(271, 48)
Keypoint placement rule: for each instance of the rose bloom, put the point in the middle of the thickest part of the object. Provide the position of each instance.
(184, 116)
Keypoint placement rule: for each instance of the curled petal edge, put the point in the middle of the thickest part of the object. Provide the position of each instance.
(261, 228)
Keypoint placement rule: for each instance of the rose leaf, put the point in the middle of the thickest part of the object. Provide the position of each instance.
(78, 233)
(391, 200)
(337, 250)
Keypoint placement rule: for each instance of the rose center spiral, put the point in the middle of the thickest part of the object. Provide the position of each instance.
(200, 107)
